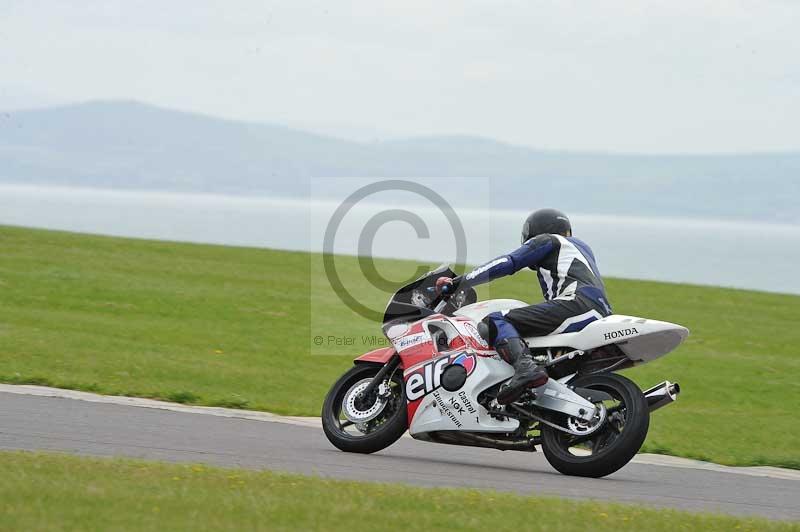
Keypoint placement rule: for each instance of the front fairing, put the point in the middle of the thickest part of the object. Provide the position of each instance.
(418, 300)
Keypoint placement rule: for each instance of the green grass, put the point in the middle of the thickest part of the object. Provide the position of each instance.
(61, 492)
(234, 327)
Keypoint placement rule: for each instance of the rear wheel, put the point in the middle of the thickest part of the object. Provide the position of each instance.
(364, 424)
(612, 445)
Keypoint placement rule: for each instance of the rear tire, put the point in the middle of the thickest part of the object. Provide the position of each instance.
(384, 430)
(610, 449)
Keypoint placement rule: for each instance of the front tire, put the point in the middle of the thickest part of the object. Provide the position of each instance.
(380, 431)
(612, 445)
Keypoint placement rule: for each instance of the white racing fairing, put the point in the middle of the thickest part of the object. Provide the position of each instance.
(640, 339)
(459, 410)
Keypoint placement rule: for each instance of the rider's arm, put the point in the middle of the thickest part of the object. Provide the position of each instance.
(528, 255)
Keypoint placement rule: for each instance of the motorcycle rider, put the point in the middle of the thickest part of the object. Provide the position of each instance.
(571, 284)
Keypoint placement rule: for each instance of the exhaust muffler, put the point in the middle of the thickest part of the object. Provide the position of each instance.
(662, 394)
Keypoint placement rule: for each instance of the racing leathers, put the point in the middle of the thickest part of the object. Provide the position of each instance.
(574, 297)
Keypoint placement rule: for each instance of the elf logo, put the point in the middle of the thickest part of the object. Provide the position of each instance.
(613, 335)
(428, 377)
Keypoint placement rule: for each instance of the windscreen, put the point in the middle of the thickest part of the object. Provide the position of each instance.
(413, 301)
(417, 300)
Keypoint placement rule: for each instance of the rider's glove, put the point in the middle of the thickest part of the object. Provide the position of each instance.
(447, 285)
(444, 285)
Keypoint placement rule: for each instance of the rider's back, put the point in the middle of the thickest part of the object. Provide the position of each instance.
(568, 269)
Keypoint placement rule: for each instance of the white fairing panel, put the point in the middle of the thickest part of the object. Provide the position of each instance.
(641, 339)
(477, 311)
(459, 410)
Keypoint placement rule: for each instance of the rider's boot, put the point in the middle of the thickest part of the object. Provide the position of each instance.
(526, 373)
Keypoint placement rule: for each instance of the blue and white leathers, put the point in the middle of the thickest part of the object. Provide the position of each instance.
(568, 277)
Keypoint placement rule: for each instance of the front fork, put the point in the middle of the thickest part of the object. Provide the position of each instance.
(379, 377)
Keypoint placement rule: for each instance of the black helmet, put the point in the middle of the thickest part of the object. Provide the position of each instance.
(545, 222)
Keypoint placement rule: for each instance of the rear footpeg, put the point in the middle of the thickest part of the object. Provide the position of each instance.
(662, 395)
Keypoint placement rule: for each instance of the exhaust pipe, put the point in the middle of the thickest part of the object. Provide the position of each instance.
(662, 394)
(479, 440)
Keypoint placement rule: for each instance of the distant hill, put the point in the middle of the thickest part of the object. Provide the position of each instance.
(132, 145)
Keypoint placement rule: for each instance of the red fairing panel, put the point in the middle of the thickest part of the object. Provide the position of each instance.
(417, 354)
(423, 361)
(380, 355)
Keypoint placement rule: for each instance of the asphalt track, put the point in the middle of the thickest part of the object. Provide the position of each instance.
(89, 427)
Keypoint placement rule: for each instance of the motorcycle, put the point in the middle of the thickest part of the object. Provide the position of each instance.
(439, 380)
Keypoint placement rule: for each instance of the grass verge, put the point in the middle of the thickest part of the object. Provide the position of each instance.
(61, 492)
(235, 327)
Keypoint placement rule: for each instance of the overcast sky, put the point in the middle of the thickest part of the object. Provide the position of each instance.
(625, 76)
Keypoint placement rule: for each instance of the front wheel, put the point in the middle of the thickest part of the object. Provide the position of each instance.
(358, 424)
(612, 445)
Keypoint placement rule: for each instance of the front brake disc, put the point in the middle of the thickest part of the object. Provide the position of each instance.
(360, 414)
